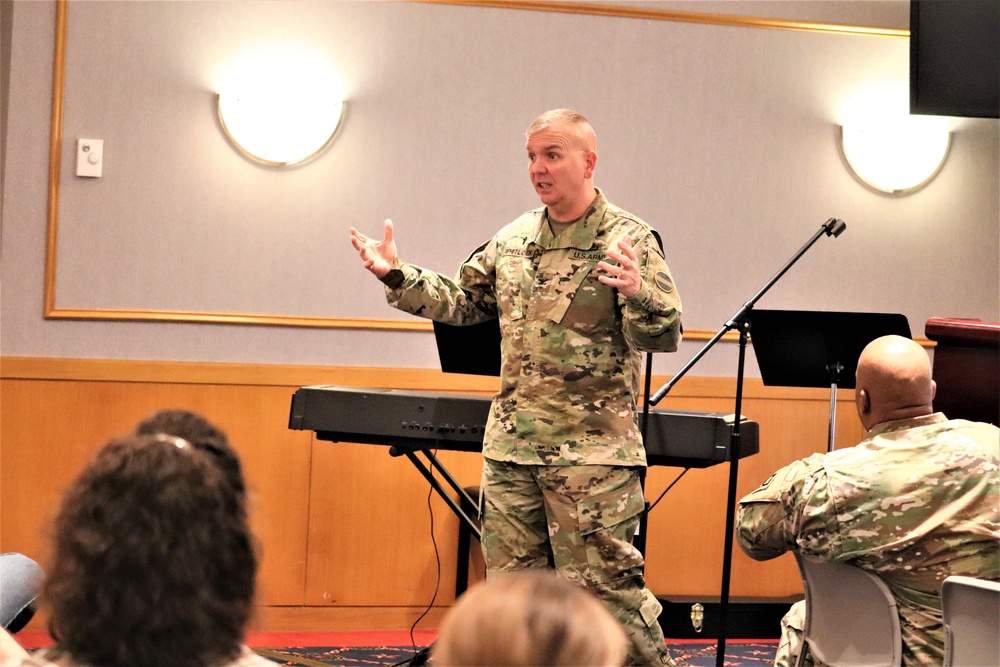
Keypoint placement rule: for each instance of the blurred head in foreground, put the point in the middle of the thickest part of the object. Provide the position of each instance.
(529, 618)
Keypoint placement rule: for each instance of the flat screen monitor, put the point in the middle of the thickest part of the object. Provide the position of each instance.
(955, 58)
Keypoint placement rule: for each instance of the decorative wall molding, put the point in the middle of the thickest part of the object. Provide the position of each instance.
(51, 311)
(635, 12)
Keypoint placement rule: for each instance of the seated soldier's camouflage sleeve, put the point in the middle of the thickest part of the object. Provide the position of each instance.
(652, 318)
(790, 511)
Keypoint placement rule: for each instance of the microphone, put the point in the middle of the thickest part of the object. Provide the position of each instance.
(835, 227)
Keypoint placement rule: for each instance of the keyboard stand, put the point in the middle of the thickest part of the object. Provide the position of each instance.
(411, 454)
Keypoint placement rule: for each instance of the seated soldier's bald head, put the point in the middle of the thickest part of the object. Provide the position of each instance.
(893, 381)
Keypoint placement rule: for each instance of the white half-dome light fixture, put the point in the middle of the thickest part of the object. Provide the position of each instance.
(280, 130)
(280, 104)
(897, 155)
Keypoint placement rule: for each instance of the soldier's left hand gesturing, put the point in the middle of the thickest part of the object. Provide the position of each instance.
(624, 277)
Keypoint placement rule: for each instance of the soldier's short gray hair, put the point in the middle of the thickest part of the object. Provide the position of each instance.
(563, 117)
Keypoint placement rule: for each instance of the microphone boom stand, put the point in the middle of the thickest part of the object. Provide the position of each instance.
(740, 320)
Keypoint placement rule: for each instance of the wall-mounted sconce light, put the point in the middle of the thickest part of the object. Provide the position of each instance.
(898, 155)
(279, 131)
(280, 104)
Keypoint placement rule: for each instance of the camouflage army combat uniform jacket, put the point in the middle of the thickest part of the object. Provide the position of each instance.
(915, 502)
(570, 345)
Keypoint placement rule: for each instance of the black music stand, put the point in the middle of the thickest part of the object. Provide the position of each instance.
(473, 349)
(803, 348)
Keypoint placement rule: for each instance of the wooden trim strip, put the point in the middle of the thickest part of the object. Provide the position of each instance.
(416, 379)
(237, 318)
(183, 372)
(282, 321)
(621, 11)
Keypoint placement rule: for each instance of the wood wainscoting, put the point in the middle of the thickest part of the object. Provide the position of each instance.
(345, 529)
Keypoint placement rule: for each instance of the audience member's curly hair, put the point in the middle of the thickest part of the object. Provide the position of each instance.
(202, 434)
(151, 567)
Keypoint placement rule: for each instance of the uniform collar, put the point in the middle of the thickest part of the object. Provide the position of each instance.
(903, 424)
(579, 235)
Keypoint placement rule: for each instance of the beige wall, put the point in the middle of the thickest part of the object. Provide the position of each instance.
(723, 137)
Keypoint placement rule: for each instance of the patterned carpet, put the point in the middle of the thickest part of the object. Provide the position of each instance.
(739, 653)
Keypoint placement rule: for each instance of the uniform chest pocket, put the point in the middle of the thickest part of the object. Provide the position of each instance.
(581, 302)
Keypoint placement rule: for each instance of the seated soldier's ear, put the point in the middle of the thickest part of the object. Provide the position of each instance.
(863, 401)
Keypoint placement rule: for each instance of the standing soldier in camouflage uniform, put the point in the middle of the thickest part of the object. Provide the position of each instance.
(915, 502)
(580, 288)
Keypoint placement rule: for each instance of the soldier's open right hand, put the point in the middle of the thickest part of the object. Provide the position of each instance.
(378, 256)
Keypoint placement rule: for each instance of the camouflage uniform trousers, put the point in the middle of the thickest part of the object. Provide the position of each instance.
(579, 520)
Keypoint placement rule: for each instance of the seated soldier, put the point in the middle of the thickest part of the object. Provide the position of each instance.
(916, 501)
